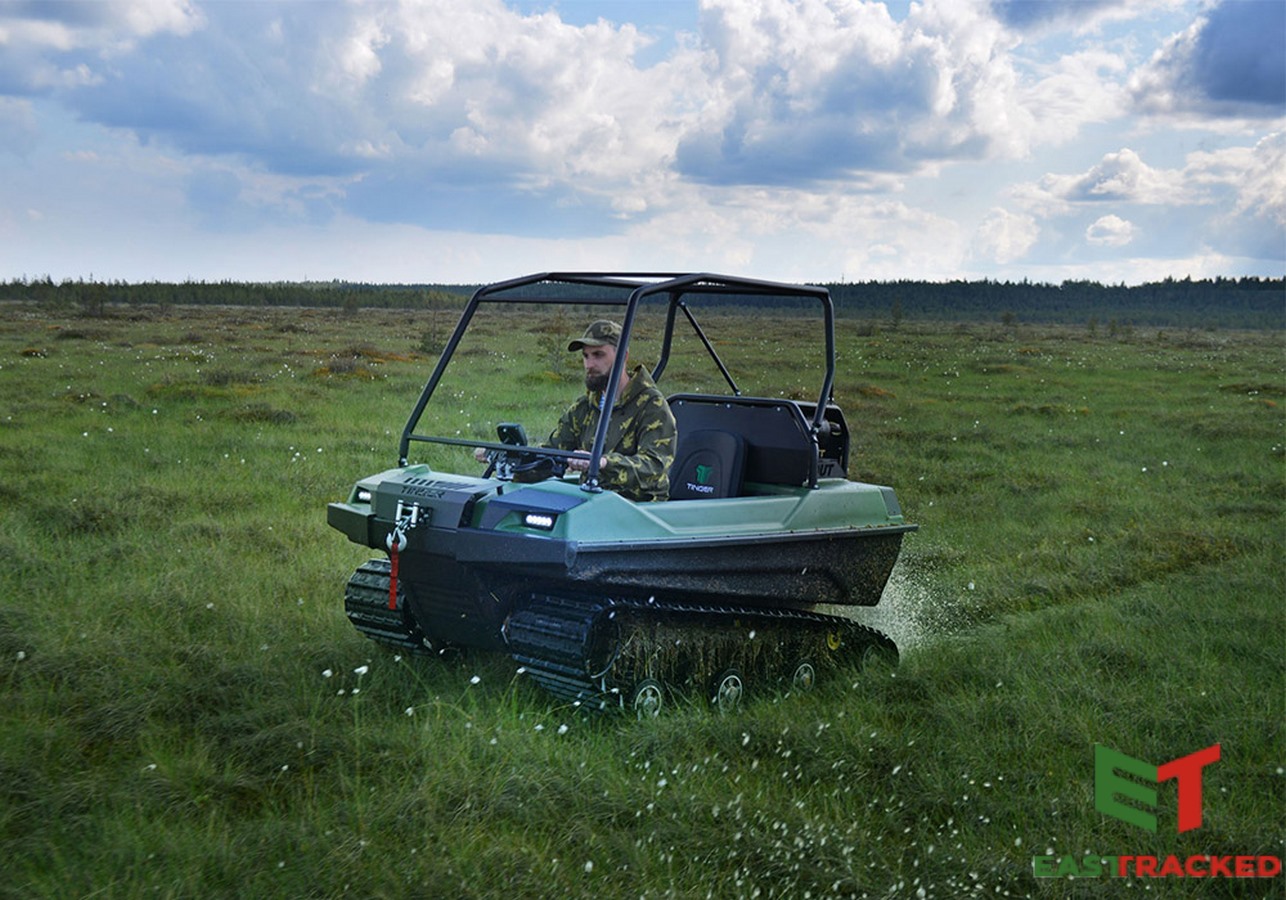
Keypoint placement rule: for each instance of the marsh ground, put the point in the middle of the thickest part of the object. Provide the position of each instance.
(186, 711)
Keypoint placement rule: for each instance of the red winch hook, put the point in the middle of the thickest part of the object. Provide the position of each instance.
(396, 543)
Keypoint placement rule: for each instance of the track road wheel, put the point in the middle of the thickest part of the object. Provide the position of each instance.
(804, 676)
(647, 699)
(728, 691)
(878, 654)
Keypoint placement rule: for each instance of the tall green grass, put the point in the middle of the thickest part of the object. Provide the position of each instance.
(184, 710)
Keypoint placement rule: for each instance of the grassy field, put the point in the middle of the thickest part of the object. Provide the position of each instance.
(184, 710)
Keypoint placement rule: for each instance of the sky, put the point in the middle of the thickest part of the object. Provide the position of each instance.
(465, 141)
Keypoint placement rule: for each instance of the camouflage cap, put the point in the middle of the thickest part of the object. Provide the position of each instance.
(598, 334)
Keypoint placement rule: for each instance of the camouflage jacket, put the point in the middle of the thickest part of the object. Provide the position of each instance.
(640, 439)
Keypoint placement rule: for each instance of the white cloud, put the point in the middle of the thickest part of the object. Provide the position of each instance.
(1249, 186)
(799, 93)
(1256, 175)
(1243, 180)
(148, 17)
(787, 93)
(103, 26)
(1074, 90)
(1124, 176)
(531, 94)
(1228, 203)
(814, 137)
(1005, 236)
(1110, 231)
(358, 55)
(1119, 177)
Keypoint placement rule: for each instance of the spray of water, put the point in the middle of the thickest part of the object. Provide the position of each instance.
(915, 610)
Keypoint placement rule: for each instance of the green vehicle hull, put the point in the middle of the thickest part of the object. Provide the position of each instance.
(835, 544)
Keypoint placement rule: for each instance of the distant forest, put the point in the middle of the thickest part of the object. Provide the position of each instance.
(1232, 303)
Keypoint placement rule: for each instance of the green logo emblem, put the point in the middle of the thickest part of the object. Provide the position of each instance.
(703, 474)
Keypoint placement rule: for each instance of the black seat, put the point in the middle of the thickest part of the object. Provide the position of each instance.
(779, 445)
(708, 464)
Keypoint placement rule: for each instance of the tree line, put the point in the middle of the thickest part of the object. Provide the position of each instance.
(1249, 302)
(1242, 303)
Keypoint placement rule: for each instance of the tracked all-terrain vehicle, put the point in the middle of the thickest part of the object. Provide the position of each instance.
(732, 584)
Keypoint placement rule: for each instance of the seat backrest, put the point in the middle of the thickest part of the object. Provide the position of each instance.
(780, 448)
(708, 464)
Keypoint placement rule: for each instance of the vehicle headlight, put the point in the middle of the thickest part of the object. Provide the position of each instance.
(543, 521)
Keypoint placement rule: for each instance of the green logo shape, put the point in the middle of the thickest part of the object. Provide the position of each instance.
(703, 474)
(1108, 786)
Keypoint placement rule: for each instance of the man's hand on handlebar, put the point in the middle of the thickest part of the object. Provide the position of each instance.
(580, 462)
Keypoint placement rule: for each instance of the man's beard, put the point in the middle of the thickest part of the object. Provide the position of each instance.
(596, 383)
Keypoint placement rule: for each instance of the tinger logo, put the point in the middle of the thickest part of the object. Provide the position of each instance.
(1109, 786)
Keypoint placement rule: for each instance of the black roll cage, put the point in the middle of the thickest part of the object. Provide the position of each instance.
(625, 289)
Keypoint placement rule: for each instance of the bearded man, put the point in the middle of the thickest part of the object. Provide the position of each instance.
(641, 438)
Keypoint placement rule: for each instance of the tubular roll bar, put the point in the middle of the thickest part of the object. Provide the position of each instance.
(614, 287)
